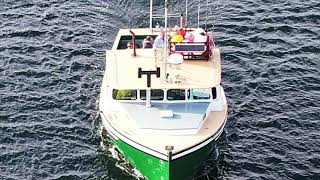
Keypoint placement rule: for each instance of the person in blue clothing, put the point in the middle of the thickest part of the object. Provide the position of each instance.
(160, 40)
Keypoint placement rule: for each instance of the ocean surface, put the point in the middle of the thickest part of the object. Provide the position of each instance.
(51, 67)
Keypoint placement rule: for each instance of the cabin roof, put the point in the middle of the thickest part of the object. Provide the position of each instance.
(122, 68)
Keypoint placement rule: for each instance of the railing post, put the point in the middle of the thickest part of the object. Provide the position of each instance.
(148, 97)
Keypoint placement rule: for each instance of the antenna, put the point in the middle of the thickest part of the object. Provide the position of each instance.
(206, 28)
(199, 13)
(186, 19)
(165, 38)
(150, 23)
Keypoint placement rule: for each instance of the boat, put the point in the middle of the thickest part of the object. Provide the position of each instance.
(163, 106)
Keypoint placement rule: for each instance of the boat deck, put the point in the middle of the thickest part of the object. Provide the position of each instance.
(122, 71)
(186, 117)
(158, 142)
(122, 68)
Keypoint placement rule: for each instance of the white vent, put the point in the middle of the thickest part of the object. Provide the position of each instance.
(166, 114)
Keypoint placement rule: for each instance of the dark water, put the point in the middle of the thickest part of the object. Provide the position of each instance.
(51, 66)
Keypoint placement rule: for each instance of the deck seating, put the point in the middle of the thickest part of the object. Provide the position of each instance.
(190, 51)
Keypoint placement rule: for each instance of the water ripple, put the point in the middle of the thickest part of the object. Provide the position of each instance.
(51, 66)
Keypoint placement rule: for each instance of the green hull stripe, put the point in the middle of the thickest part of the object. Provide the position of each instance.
(149, 166)
(153, 168)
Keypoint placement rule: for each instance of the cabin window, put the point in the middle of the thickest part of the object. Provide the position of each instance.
(176, 94)
(124, 94)
(195, 94)
(156, 94)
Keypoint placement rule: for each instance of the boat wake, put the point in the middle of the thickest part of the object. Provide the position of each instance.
(113, 152)
(123, 164)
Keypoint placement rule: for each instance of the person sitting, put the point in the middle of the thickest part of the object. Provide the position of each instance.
(147, 42)
(160, 40)
(130, 45)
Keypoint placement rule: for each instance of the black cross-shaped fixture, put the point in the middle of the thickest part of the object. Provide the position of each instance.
(148, 73)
